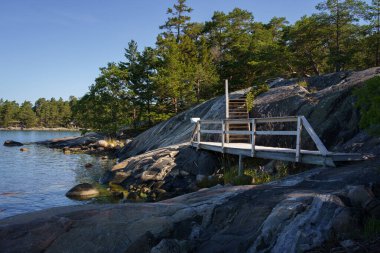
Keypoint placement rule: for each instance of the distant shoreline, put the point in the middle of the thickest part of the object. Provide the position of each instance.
(58, 129)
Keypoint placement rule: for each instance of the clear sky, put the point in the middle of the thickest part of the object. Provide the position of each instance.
(54, 48)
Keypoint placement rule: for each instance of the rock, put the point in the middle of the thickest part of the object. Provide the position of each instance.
(88, 165)
(327, 103)
(10, 143)
(82, 191)
(102, 143)
(276, 217)
(359, 195)
(69, 142)
(167, 246)
(172, 168)
(24, 149)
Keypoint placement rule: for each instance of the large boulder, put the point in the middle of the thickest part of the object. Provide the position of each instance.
(10, 143)
(172, 169)
(83, 191)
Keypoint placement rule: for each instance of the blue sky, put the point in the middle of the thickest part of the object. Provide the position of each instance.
(54, 48)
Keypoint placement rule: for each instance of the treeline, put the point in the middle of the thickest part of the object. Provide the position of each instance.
(43, 113)
(190, 60)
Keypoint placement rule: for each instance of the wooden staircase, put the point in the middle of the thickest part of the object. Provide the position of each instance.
(238, 110)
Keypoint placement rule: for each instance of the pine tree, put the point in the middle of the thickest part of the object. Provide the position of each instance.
(178, 19)
(26, 115)
(340, 16)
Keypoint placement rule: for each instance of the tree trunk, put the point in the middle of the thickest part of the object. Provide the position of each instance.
(198, 91)
(149, 116)
(337, 41)
(378, 37)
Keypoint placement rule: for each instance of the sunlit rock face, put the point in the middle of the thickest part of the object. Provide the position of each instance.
(327, 103)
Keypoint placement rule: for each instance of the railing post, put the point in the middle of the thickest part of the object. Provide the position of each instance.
(253, 137)
(223, 134)
(298, 141)
(227, 127)
(198, 132)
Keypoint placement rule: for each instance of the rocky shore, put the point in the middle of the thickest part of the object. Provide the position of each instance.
(301, 213)
(91, 143)
(63, 129)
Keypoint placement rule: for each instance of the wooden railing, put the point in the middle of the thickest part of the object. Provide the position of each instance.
(301, 121)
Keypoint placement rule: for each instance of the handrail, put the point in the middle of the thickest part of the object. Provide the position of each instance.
(301, 121)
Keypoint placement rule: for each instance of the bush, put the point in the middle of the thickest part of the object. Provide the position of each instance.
(303, 84)
(254, 92)
(368, 102)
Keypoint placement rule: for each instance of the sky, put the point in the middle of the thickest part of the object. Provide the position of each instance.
(54, 48)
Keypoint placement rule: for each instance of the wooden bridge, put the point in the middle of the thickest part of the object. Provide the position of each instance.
(237, 135)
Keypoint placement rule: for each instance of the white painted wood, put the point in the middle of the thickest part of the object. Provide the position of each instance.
(314, 136)
(276, 119)
(298, 141)
(276, 133)
(237, 132)
(240, 165)
(253, 137)
(223, 134)
(198, 132)
(227, 100)
(211, 122)
(211, 132)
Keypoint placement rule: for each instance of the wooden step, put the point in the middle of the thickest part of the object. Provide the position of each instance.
(237, 100)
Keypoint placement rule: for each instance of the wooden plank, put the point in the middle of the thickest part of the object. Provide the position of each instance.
(198, 132)
(238, 132)
(211, 131)
(298, 141)
(227, 99)
(314, 136)
(223, 131)
(253, 137)
(263, 152)
(211, 121)
(276, 133)
(238, 121)
(240, 165)
(276, 119)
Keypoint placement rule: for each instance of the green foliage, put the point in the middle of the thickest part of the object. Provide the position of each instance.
(44, 113)
(368, 101)
(253, 176)
(250, 100)
(254, 92)
(190, 59)
(371, 227)
(303, 83)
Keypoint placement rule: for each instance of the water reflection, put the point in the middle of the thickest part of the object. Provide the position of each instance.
(39, 178)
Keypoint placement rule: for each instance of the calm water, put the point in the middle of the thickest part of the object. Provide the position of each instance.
(39, 178)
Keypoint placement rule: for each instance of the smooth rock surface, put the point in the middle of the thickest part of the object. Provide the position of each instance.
(286, 216)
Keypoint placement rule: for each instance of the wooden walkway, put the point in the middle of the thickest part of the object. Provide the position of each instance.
(321, 156)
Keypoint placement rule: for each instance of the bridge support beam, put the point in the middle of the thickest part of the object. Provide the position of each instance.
(241, 166)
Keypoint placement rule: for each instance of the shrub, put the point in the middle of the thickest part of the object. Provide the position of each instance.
(254, 92)
(368, 102)
(303, 84)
